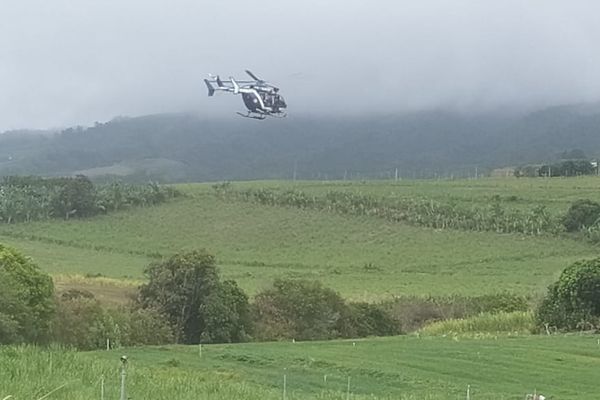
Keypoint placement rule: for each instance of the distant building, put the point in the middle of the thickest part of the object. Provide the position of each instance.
(506, 172)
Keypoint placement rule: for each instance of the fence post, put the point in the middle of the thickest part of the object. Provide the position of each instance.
(348, 389)
(102, 387)
(123, 375)
(284, 384)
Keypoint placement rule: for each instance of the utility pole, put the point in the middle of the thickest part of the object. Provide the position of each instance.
(295, 169)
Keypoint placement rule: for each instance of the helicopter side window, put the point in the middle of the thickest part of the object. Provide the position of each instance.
(267, 99)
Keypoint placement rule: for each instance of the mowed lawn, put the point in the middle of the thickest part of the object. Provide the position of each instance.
(564, 367)
(434, 368)
(363, 258)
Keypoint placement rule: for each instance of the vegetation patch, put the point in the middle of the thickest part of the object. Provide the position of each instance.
(414, 211)
(514, 323)
(25, 199)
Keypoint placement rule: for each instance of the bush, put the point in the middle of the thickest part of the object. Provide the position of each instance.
(78, 320)
(573, 302)
(365, 319)
(298, 309)
(414, 312)
(305, 310)
(82, 322)
(582, 213)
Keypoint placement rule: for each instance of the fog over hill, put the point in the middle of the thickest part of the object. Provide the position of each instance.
(185, 147)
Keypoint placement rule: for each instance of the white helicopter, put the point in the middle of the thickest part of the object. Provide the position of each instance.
(261, 99)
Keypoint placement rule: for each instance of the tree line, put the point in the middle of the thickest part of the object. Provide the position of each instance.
(32, 198)
(186, 301)
(561, 168)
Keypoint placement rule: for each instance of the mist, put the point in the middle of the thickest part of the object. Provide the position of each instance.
(65, 63)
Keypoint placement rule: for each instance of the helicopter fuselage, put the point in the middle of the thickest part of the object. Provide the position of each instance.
(263, 101)
(260, 98)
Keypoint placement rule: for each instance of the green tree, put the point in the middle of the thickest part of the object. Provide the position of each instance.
(76, 196)
(226, 315)
(187, 289)
(26, 299)
(299, 309)
(573, 302)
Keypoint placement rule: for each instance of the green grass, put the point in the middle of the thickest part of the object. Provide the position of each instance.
(518, 322)
(565, 367)
(363, 258)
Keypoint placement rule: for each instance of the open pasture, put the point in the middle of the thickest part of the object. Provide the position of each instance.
(564, 367)
(363, 258)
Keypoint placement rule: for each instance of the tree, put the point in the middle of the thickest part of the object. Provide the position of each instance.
(76, 196)
(573, 302)
(299, 309)
(26, 299)
(226, 315)
(187, 289)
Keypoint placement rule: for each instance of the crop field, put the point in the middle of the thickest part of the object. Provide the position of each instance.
(555, 193)
(564, 367)
(364, 258)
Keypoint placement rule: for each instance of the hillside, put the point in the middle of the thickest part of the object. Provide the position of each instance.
(183, 147)
(364, 258)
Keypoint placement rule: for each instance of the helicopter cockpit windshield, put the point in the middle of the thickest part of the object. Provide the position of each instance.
(279, 101)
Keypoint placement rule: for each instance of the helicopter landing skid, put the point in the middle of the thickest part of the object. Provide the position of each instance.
(250, 115)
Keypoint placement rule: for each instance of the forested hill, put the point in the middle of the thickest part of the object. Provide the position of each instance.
(182, 147)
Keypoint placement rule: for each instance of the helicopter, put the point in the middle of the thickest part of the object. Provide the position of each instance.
(260, 98)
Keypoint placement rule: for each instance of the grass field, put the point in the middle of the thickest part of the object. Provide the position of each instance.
(564, 367)
(363, 258)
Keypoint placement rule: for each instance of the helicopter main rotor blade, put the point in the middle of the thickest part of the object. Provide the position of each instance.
(254, 76)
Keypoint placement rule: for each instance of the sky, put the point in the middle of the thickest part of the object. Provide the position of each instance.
(65, 62)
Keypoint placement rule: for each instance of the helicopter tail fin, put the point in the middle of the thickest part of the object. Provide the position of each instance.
(236, 87)
(211, 89)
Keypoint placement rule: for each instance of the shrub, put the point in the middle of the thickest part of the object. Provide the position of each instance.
(82, 322)
(414, 312)
(298, 309)
(78, 319)
(573, 302)
(582, 213)
(305, 310)
(365, 319)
